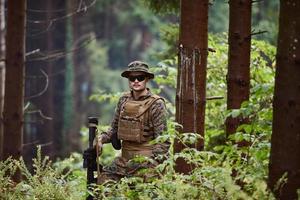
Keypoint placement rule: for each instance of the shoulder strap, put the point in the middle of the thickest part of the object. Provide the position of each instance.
(157, 97)
(149, 103)
(125, 97)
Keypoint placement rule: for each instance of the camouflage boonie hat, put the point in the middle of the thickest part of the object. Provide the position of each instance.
(137, 66)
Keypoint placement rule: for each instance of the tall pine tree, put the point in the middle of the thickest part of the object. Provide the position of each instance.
(285, 142)
(191, 82)
(238, 77)
(14, 80)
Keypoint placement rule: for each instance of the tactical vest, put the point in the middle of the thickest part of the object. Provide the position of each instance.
(133, 117)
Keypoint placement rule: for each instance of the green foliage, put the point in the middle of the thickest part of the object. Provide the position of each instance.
(165, 81)
(7, 169)
(218, 19)
(258, 108)
(163, 6)
(216, 87)
(127, 28)
(169, 33)
(265, 18)
(228, 174)
(103, 79)
(101, 96)
(124, 31)
(102, 76)
(45, 182)
(222, 171)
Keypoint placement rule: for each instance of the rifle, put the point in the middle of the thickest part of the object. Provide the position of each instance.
(90, 155)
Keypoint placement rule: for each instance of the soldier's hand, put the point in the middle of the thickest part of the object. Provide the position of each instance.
(100, 142)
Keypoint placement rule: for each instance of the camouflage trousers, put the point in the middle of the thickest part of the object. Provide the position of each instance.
(121, 167)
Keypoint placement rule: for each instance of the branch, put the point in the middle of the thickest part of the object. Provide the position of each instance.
(32, 52)
(26, 54)
(256, 1)
(30, 143)
(255, 33)
(40, 113)
(51, 21)
(46, 144)
(60, 10)
(37, 142)
(44, 90)
(259, 32)
(214, 98)
(211, 50)
(78, 10)
(26, 106)
(62, 53)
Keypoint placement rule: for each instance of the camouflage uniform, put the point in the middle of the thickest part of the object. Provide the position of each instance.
(123, 166)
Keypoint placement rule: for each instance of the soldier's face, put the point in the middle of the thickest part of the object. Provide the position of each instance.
(137, 81)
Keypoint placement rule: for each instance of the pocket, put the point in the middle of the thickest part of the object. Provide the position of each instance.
(130, 129)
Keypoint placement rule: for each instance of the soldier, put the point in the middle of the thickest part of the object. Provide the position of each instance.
(140, 117)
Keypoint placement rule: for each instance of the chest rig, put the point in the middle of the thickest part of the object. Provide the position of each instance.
(134, 121)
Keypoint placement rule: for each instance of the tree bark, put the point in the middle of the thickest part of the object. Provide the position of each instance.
(49, 38)
(238, 77)
(14, 79)
(48, 98)
(2, 70)
(80, 29)
(58, 80)
(191, 82)
(285, 142)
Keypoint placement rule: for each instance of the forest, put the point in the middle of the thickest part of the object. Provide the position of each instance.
(228, 70)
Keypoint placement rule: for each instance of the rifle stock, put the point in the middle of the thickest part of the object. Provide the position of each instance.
(90, 154)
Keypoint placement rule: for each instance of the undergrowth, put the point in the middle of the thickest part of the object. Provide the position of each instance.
(221, 171)
(45, 181)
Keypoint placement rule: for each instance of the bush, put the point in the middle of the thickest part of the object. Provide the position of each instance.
(46, 182)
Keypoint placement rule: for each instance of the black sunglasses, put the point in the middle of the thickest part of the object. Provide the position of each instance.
(139, 78)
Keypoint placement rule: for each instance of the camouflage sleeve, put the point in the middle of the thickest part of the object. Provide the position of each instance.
(159, 123)
(106, 136)
(158, 117)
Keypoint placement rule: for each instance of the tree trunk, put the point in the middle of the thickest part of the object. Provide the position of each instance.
(14, 79)
(48, 97)
(191, 82)
(238, 77)
(2, 70)
(33, 83)
(58, 80)
(49, 38)
(80, 30)
(69, 109)
(285, 142)
(38, 127)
